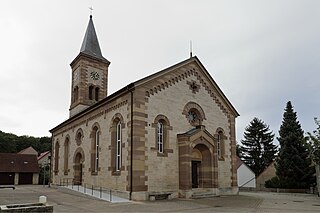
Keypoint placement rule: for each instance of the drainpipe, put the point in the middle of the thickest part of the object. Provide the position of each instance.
(130, 88)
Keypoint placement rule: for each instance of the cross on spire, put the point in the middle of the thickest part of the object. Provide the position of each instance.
(91, 10)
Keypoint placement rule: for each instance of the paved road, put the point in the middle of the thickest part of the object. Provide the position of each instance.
(64, 200)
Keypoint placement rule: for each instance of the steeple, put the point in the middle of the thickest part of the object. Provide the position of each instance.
(90, 45)
(89, 73)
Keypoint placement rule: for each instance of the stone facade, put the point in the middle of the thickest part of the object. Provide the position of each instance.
(172, 132)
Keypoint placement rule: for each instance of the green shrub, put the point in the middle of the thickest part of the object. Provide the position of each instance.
(272, 183)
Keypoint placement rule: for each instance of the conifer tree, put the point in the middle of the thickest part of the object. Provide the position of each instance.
(257, 149)
(314, 150)
(293, 165)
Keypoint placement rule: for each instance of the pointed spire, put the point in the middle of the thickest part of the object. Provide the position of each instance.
(90, 44)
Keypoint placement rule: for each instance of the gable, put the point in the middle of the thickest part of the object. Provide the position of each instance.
(30, 150)
(164, 79)
(183, 71)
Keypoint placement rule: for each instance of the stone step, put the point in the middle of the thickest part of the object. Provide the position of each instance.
(203, 194)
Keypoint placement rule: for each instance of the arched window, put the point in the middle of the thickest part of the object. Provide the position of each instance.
(162, 127)
(117, 125)
(95, 150)
(56, 158)
(79, 136)
(160, 136)
(97, 93)
(66, 155)
(194, 113)
(118, 147)
(75, 93)
(220, 144)
(91, 88)
(194, 117)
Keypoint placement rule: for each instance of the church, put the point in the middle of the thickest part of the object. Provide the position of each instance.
(172, 132)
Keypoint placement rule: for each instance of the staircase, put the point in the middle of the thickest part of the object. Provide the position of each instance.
(203, 192)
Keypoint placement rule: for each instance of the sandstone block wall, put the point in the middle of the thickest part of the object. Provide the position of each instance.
(103, 118)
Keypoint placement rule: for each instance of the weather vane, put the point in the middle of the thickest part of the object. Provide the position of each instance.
(91, 9)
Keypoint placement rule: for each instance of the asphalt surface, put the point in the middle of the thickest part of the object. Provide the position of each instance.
(65, 200)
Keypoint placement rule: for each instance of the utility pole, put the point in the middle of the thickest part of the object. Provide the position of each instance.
(44, 173)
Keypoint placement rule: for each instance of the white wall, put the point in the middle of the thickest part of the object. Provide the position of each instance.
(246, 178)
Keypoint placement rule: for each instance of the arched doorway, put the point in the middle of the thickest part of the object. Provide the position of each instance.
(198, 168)
(201, 167)
(78, 166)
(195, 167)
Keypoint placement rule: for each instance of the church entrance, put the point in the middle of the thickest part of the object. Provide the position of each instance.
(198, 171)
(78, 169)
(195, 173)
(201, 167)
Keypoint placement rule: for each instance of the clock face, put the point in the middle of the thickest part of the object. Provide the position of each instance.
(94, 75)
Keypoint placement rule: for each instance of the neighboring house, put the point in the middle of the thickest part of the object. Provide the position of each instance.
(30, 151)
(265, 175)
(44, 158)
(172, 132)
(18, 169)
(246, 177)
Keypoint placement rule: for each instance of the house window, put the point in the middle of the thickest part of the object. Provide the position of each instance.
(160, 136)
(95, 150)
(66, 155)
(162, 128)
(118, 147)
(56, 158)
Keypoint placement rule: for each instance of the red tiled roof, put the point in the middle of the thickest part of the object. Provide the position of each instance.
(28, 150)
(238, 162)
(12, 162)
(43, 154)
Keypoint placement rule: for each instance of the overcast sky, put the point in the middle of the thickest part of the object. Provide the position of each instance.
(261, 53)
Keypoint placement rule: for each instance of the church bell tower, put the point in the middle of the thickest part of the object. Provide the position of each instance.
(89, 73)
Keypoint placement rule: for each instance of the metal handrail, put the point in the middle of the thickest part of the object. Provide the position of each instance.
(86, 187)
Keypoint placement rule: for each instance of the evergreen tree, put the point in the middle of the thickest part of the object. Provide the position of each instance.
(257, 150)
(293, 165)
(314, 150)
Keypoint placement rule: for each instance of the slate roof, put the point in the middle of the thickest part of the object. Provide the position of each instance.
(90, 45)
(12, 162)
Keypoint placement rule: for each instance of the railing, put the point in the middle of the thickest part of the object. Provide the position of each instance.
(96, 191)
